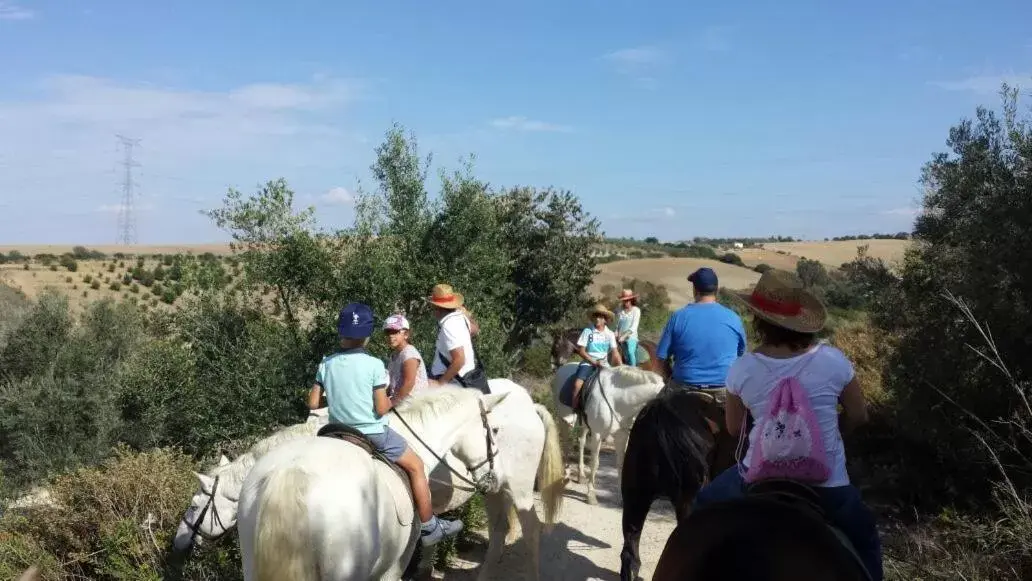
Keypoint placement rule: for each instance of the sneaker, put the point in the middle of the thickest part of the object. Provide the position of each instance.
(438, 529)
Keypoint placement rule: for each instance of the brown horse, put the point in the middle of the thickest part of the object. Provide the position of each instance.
(776, 535)
(564, 346)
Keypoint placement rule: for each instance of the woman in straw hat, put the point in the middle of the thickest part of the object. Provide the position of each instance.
(454, 360)
(787, 319)
(595, 345)
(627, 318)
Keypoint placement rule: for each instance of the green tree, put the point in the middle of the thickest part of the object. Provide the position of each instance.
(972, 243)
(277, 244)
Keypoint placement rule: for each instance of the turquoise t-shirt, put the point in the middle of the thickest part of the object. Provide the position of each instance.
(349, 379)
(597, 343)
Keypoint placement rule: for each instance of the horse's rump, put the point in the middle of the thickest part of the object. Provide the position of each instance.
(771, 534)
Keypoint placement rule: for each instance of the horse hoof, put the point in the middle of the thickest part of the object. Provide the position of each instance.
(592, 499)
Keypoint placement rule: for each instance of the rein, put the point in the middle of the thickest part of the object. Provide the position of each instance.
(482, 485)
(195, 526)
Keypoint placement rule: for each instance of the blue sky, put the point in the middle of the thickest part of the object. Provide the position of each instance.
(669, 119)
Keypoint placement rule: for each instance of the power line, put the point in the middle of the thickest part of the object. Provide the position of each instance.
(127, 210)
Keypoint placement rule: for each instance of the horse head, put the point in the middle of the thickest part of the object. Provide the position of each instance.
(213, 509)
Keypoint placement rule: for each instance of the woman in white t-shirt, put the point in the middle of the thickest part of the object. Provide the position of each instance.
(406, 372)
(787, 319)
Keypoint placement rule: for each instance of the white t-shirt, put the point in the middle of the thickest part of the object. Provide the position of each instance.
(394, 370)
(452, 334)
(753, 376)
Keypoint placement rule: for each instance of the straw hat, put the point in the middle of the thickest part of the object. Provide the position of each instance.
(627, 294)
(780, 299)
(601, 309)
(445, 297)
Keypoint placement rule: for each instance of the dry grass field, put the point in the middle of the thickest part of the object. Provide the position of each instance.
(673, 273)
(110, 249)
(831, 253)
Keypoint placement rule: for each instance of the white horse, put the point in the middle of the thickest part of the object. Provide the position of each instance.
(619, 395)
(527, 446)
(320, 509)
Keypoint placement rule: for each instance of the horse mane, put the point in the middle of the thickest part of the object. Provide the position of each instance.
(673, 428)
(430, 405)
(238, 468)
(625, 376)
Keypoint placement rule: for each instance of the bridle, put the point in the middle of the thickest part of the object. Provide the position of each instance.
(195, 530)
(486, 483)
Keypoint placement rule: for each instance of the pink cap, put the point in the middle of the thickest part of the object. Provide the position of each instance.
(396, 323)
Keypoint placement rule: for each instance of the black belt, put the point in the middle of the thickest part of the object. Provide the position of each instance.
(698, 385)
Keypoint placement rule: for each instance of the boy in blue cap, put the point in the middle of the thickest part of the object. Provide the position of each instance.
(355, 384)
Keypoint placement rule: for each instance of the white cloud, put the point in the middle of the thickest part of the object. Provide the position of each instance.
(517, 123)
(668, 212)
(338, 196)
(12, 11)
(58, 144)
(639, 63)
(986, 84)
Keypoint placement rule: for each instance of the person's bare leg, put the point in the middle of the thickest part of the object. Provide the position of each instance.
(413, 466)
(577, 384)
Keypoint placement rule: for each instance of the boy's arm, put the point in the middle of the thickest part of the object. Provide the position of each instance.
(315, 396)
(381, 402)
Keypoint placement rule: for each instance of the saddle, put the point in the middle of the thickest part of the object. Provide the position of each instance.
(587, 390)
(804, 498)
(401, 488)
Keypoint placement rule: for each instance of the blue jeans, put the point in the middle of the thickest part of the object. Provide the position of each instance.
(842, 505)
(630, 352)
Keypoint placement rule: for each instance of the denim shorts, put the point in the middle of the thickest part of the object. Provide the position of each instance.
(584, 370)
(389, 443)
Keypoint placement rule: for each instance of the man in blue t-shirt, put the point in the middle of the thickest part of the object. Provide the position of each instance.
(703, 338)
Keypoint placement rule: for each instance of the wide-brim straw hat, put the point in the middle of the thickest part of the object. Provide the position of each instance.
(780, 299)
(444, 296)
(601, 309)
(627, 294)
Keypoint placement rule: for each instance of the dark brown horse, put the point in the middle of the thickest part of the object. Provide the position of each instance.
(677, 444)
(564, 346)
(762, 536)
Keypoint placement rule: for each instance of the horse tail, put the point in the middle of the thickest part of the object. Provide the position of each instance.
(551, 472)
(280, 551)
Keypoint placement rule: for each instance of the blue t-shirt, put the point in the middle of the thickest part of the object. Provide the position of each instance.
(349, 379)
(705, 339)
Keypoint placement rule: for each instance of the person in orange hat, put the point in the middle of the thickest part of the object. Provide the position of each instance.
(455, 360)
(628, 316)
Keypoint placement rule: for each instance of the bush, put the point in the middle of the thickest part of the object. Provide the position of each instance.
(95, 285)
(732, 258)
(134, 288)
(116, 286)
(68, 279)
(113, 522)
(53, 267)
(87, 279)
(762, 268)
(69, 263)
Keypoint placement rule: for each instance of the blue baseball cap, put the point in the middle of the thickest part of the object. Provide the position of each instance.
(355, 321)
(704, 279)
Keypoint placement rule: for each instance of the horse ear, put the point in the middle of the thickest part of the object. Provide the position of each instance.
(223, 460)
(490, 401)
(206, 481)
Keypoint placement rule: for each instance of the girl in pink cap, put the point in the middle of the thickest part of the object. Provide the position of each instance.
(406, 370)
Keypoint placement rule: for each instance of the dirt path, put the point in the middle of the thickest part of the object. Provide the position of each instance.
(585, 544)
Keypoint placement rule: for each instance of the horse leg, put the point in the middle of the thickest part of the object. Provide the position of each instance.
(497, 505)
(636, 504)
(531, 526)
(620, 443)
(582, 439)
(596, 444)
